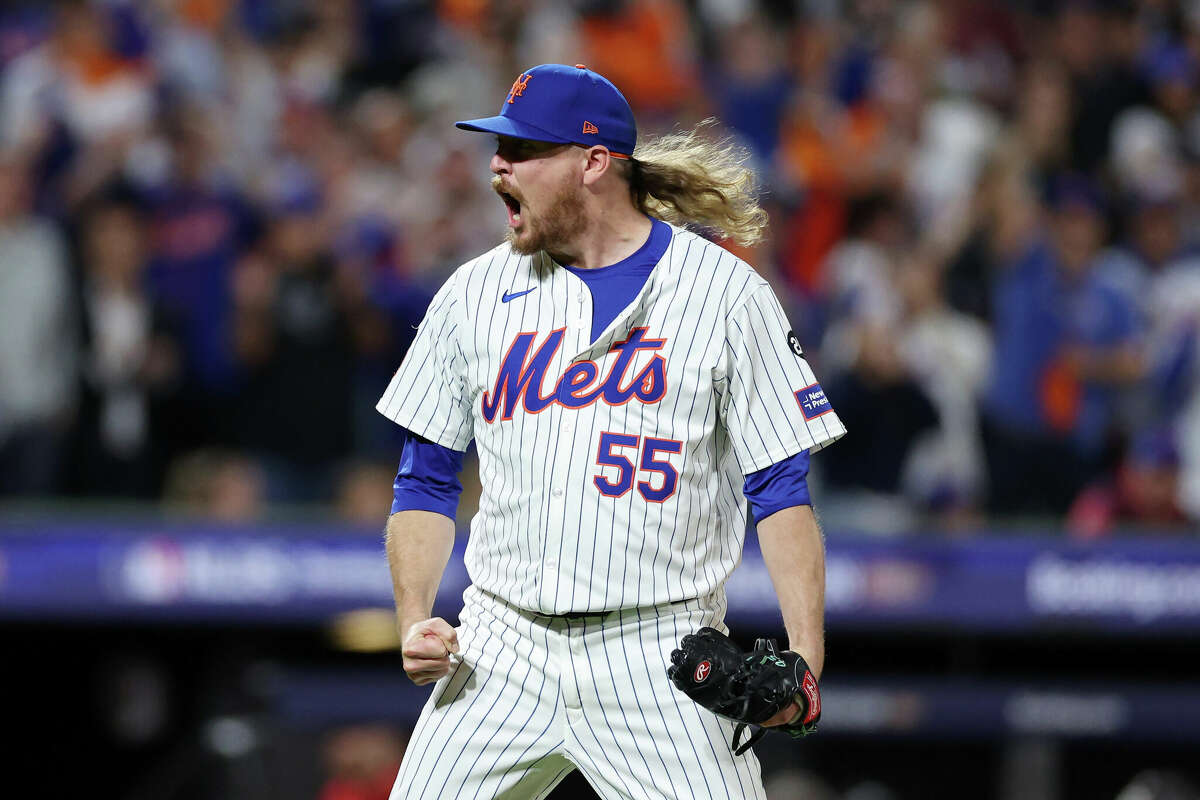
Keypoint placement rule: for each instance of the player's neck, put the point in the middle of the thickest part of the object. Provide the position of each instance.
(614, 234)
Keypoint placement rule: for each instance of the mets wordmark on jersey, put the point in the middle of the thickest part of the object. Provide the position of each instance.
(612, 470)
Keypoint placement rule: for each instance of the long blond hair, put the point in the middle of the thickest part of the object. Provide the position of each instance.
(689, 179)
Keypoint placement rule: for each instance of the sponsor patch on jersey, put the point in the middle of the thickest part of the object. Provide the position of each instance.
(794, 344)
(813, 402)
(702, 671)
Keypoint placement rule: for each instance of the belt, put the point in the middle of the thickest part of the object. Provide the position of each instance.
(581, 617)
(584, 616)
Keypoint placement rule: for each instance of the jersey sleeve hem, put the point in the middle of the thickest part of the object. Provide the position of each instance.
(406, 419)
(417, 506)
(775, 455)
(773, 511)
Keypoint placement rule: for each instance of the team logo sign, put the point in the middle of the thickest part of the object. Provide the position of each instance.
(794, 343)
(702, 671)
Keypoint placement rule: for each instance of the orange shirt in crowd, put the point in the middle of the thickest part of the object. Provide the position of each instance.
(644, 50)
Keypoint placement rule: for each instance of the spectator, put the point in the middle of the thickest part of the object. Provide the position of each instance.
(82, 76)
(644, 47)
(1105, 79)
(751, 86)
(131, 360)
(199, 224)
(362, 761)
(995, 224)
(1172, 72)
(1175, 369)
(293, 344)
(219, 485)
(889, 409)
(949, 354)
(1144, 492)
(38, 351)
(1067, 343)
(364, 493)
(894, 341)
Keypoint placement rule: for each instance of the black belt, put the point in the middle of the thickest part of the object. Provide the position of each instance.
(582, 616)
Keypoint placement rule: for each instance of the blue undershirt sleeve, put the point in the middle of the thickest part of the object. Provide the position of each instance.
(782, 485)
(428, 477)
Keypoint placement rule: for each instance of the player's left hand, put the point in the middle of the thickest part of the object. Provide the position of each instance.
(765, 688)
(785, 717)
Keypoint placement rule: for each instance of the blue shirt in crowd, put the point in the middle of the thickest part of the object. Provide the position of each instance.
(1038, 310)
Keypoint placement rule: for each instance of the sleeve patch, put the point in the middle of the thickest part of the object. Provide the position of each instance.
(813, 402)
(793, 342)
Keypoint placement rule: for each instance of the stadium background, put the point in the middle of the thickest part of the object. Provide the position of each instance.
(219, 221)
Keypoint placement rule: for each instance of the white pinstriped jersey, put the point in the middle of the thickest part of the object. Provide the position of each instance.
(612, 471)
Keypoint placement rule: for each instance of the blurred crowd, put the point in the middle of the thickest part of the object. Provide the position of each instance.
(221, 219)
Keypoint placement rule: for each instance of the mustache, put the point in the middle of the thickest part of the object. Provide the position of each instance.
(499, 187)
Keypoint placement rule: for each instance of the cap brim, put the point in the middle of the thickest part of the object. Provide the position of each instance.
(506, 126)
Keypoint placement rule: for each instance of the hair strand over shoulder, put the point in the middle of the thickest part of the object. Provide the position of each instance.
(686, 178)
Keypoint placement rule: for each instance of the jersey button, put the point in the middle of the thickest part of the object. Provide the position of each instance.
(557, 493)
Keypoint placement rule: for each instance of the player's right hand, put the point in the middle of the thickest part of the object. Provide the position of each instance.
(426, 649)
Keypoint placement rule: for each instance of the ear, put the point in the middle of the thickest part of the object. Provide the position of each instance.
(596, 164)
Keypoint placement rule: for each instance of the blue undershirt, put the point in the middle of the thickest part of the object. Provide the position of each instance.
(428, 476)
(614, 287)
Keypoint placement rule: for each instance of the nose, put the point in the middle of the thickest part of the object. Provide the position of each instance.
(501, 165)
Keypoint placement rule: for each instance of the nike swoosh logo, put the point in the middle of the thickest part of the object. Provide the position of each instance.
(513, 296)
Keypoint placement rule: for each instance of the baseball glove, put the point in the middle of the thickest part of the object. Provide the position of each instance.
(748, 688)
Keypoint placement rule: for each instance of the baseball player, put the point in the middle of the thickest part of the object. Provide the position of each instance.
(630, 388)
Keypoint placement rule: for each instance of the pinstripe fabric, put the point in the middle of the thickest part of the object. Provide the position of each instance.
(532, 697)
(547, 538)
(713, 390)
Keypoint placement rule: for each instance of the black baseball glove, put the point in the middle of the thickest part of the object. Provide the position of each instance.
(748, 688)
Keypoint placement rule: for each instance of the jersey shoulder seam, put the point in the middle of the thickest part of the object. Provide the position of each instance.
(754, 284)
(738, 264)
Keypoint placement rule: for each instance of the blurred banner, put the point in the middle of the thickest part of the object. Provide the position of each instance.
(305, 574)
(931, 707)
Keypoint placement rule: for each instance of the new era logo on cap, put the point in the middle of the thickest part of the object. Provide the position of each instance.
(563, 104)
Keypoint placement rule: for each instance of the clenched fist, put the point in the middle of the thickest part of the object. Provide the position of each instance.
(427, 648)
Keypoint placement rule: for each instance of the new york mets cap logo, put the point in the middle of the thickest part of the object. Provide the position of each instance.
(518, 87)
(566, 105)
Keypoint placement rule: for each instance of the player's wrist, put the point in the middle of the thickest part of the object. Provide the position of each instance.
(406, 620)
(813, 654)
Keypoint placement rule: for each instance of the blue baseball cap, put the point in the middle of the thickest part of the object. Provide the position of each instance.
(567, 105)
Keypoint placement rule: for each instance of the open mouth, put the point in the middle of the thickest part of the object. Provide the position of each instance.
(514, 208)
